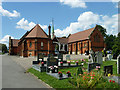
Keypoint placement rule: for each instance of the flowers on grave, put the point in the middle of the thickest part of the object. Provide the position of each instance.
(68, 61)
(82, 60)
(51, 68)
(42, 62)
(82, 63)
(60, 74)
(55, 66)
(77, 63)
(68, 74)
(61, 63)
(109, 75)
(111, 81)
(98, 67)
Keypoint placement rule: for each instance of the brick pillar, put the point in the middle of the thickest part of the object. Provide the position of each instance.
(81, 48)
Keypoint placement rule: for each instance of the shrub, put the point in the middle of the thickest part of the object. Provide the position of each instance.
(79, 71)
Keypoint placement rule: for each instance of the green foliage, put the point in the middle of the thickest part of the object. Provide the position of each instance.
(79, 71)
(3, 47)
(110, 40)
(102, 30)
(116, 47)
(53, 82)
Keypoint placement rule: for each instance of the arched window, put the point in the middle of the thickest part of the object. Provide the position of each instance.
(41, 44)
(30, 44)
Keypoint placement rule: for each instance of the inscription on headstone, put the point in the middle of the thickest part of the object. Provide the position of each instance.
(51, 61)
(92, 66)
(108, 70)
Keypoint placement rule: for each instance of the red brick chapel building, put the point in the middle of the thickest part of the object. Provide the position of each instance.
(37, 41)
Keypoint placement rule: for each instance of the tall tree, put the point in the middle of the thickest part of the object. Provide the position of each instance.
(116, 46)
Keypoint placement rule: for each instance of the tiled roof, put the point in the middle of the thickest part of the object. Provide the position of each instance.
(80, 35)
(37, 32)
(15, 42)
(63, 40)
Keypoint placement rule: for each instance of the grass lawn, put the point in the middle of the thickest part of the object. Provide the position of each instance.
(53, 82)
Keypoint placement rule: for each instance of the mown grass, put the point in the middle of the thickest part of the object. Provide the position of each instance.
(53, 82)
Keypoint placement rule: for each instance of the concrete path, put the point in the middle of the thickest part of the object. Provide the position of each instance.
(13, 76)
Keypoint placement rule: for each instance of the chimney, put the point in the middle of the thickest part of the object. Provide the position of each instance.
(49, 32)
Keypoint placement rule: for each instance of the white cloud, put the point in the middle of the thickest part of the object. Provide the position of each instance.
(24, 24)
(4, 12)
(89, 19)
(5, 40)
(74, 3)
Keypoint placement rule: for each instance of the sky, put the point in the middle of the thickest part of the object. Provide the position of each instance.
(69, 17)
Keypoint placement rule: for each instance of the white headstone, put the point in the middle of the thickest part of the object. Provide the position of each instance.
(99, 57)
(118, 64)
(109, 56)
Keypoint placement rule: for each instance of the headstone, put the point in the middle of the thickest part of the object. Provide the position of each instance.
(92, 56)
(108, 70)
(51, 61)
(67, 57)
(99, 57)
(109, 56)
(40, 57)
(60, 57)
(92, 66)
(118, 64)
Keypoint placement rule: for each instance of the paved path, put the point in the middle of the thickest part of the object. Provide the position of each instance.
(13, 76)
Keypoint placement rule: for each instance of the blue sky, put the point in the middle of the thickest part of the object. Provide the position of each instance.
(68, 18)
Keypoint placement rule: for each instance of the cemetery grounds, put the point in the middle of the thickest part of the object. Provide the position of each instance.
(80, 78)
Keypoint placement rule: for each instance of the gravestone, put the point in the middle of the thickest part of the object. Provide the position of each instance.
(92, 66)
(109, 56)
(92, 56)
(60, 57)
(99, 57)
(118, 64)
(51, 61)
(108, 70)
(40, 57)
(67, 57)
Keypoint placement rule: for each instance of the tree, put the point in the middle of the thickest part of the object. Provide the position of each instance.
(102, 30)
(110, 41)
(116, 47)
(4, 48)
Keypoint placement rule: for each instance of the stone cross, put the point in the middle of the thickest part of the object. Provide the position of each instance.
(99, 57)
(118, 64)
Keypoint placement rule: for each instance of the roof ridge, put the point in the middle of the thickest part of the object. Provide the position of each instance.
(83, 31)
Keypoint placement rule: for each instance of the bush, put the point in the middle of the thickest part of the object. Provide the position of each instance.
(79, 71)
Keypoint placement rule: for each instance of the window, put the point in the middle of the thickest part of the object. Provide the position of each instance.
(79, 45)
(41, 44)
(74, 46)
(30, 44)
(85, 44)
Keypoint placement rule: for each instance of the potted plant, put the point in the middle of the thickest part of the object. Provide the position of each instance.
(51, 69)
(68, 74)
(76, 63)
(60, 75)
(68, 63)
(56, 68)
(42, 64)
(61, 63)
